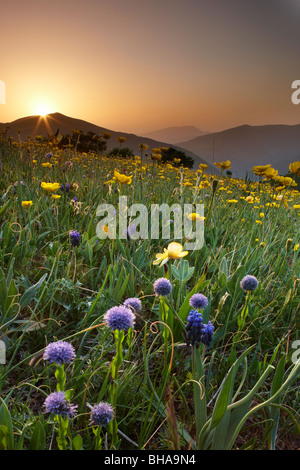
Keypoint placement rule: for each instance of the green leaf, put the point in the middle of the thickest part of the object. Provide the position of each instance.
(38, 438)
(31, 292)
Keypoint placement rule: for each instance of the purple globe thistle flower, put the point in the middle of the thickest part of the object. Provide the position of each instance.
(49, 155)
(68, 186)
(57, 404)
(59, 352)
(102, 414)
(75, 199)
(162, 286)
(119, 318)
(133, 303)
(207, 333)
(62, 188)
(75, 237)
(194, 328)
(198, 301)
(249, 283)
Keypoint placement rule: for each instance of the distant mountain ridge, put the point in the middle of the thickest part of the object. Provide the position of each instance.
(175, 134)
(246, 146)
(31, 126)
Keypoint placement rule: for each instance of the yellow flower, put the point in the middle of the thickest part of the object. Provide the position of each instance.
(34, 161)
(296, 247)
(122, 179)
(260, 169)
(195, 216)
(174, 251)
(295, 168)
(47, 165)
(223, 165)
(231, 201)
(56, 196)
(203, 166)
(296, 206)
(50, 187)
(26, 204)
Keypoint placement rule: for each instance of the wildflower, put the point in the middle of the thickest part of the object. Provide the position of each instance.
(59, 352)
(207, 333)
(195, 216)
(119, 318)
(174, 251)
(296, 247)
(56, 196)
(162, 286)
(102, 414)
(133, 303)
(50, 187)
(260, 169)
(47, 165)
(198, 301)
(75, 237)
(122, 179)
(295, 168)
(203, 166)
(223, 165)
(194, 328)
(27, 204)
(231, 201)
(249, 283)
(56, 403)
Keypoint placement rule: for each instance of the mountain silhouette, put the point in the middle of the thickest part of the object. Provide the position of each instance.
(32, 126)
(246, 146)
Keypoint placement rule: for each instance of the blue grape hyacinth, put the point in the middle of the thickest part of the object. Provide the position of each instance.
(194, 328)
(197, 332)
(207, 333)
(75, 237)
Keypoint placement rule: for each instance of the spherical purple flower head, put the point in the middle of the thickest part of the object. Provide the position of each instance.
(59, 352)
(49, 155)
(133, 303)
(57, 404)
(75, 237)
(102, 414)
(207, 333)
(119, 318)
(162, 286)
(194, 328)
(198, 301)
(249, 283)
(68, 186)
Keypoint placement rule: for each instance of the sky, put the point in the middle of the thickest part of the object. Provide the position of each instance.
(141, 65)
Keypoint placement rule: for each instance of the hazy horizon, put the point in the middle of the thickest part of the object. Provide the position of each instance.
(140, 66)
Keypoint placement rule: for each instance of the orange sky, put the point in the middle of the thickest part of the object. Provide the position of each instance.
(137, 65)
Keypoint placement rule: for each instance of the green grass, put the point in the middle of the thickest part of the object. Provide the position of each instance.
(241, 392)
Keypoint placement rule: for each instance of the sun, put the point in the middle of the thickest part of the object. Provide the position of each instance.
(42, 108)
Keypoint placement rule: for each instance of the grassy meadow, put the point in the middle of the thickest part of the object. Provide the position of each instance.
(238, 391)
